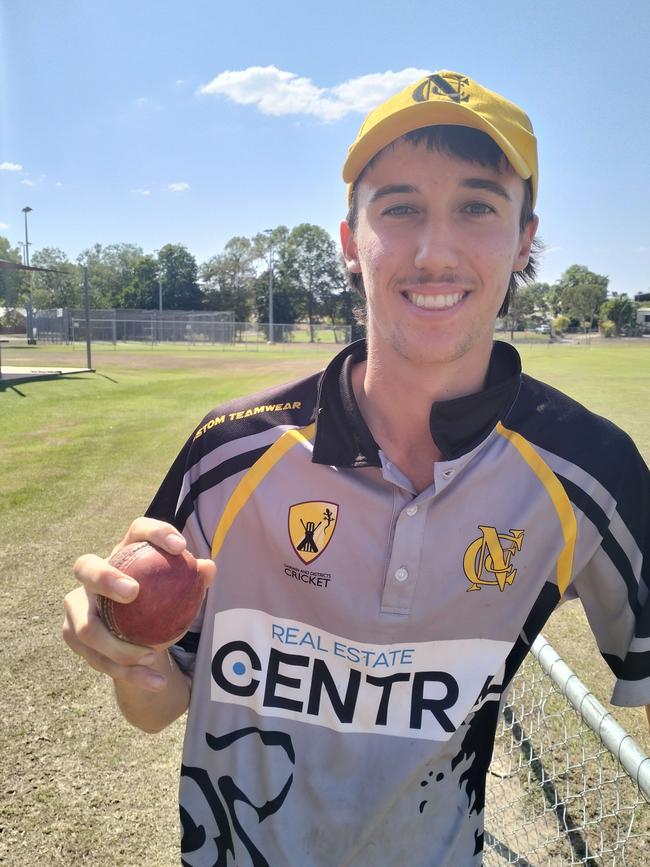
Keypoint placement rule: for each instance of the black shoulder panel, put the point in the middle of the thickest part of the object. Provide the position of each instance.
(289, 404)
(555, 422)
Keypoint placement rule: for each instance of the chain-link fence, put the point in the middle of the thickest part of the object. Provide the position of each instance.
(67, 325)
(567, 784)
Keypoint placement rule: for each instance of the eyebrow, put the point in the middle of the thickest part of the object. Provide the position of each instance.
(392, 190)
(469, 183)
(486, 184)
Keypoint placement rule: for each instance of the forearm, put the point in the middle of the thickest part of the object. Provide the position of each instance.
(154, 711)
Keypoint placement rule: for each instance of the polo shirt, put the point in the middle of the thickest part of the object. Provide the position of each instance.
(351, 657)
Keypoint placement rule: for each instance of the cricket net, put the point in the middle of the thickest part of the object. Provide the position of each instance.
(567, 785)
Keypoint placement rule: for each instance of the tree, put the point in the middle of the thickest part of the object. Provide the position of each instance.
(110, 270)
(229, 279)
(11, 282)
(311, 265)
(178, 273)
(581, 293)
(142, 291)
(522, 304)
(621, 310)
(286, 304)
(61, 287)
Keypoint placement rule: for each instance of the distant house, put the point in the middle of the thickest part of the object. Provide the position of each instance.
(643, 318)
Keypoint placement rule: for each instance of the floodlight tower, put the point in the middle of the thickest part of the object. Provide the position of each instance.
(269, 232)
(26, 210)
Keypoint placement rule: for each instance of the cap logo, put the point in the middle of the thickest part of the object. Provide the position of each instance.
(435, 85)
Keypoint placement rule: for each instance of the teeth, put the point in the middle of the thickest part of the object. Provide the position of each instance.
(438, 302)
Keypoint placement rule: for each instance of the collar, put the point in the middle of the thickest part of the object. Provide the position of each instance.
(457, 426)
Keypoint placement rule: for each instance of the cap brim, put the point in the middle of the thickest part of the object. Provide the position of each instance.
(419, 115)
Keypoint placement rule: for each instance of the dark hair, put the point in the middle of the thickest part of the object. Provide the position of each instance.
(470, 145)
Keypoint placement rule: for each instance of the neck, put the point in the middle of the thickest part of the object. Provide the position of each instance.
(395, 396)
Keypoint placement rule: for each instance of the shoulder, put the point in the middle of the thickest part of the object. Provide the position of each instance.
(228, 440)
(572, 436)
(291, 404)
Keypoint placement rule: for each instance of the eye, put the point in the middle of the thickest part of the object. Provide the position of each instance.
(478, 209)
(399, 211)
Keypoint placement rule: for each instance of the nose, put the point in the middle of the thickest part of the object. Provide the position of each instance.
(437, 250)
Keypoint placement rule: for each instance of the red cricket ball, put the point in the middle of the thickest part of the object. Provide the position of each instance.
(171, 592)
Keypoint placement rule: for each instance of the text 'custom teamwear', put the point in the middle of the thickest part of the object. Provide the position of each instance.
(351, 656)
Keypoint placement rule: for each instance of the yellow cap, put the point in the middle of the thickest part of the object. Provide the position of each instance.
(447, 98)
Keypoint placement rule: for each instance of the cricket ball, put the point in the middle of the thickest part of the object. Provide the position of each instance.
(171, 592)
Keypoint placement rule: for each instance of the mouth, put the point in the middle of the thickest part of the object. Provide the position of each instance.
(434, 302)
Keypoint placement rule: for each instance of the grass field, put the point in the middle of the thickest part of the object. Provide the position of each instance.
(80, 457)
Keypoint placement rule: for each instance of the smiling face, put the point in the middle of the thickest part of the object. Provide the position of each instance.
(436, 241)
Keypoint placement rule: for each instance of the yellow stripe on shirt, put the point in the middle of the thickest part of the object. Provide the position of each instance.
(252, 478)
(558, 497)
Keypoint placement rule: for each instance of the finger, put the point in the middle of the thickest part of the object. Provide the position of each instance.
(137, 675)
(159, 533)
(102, 579)
(84, 632)
(207, 571)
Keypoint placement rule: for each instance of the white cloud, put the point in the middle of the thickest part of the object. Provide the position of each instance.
(28, 183)
(552, 249)
(277, 92)
(10, 167)
(4, 226)
(642, 249)
(58, 184)
(178, 188)
(142, 192)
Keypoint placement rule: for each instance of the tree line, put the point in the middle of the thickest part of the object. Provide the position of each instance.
(308, 277)
(579, 299)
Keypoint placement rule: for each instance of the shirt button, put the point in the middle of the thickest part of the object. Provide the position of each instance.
(401, 574)
(411, 510)
(447, 474)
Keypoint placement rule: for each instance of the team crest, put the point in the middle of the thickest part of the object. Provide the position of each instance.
(311, 527)
(488, 560)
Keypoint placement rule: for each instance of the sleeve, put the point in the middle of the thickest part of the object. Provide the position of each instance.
(614, 587)
(173, 502)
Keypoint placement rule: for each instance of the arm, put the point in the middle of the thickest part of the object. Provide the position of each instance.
(151, 690)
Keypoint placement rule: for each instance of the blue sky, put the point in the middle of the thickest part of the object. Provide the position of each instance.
(119, 121)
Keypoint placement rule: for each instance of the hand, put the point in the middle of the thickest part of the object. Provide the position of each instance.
(86, 634)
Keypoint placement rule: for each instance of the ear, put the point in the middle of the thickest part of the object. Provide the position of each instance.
(349, 248)
(525, 243)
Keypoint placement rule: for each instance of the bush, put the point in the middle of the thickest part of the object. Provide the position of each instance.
(607, 328)
(560, 324)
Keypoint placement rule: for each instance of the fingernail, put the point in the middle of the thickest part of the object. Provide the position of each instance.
(125, 587)
(156, 681)
(175, 541)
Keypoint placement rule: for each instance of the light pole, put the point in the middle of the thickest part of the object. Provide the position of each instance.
(28, 306)
(269, 232)
(26, 210)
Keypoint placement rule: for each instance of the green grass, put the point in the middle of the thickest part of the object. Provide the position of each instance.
(82, 456)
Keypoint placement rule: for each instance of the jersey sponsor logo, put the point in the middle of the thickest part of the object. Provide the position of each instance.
(289, 669)
(491, 555)
(311, 527)
(450, 85)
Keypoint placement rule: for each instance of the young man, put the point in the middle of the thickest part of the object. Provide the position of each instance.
(391, 535)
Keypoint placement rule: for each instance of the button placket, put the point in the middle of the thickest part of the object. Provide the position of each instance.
(404, 558)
